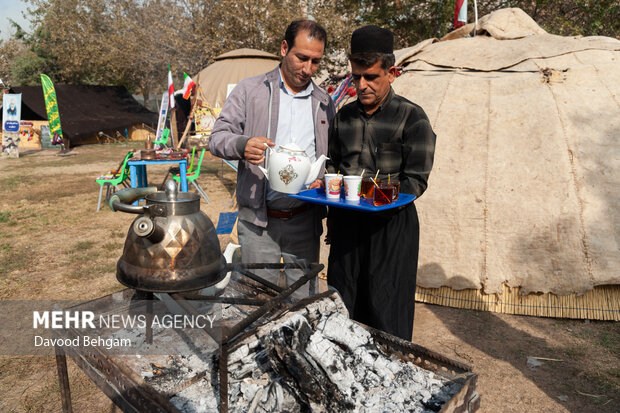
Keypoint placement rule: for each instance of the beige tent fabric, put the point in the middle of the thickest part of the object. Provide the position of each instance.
(503, 47)
(230, 68)
(502, 24)
(525, 187)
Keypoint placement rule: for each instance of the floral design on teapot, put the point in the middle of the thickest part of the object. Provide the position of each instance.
(289, 168)
(287, 174)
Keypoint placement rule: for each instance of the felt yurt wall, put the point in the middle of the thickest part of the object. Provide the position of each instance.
(522, 211)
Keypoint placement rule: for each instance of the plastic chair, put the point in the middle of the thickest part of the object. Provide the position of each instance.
(191, 162)
(165, 136)
(192, 176)
(112, 181)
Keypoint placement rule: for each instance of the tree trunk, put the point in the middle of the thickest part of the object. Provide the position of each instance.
(145, 96)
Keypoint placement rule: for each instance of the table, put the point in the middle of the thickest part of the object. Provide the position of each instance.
(138, 176)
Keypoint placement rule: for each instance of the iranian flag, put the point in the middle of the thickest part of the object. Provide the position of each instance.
(188, 85)
(460, 13)
(170, 87)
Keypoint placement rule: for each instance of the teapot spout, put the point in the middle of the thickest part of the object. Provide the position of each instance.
(315, 168)
(264, 171)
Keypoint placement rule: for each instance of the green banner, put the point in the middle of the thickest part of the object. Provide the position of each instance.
(51, 106)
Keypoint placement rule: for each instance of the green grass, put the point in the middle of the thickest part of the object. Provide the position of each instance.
(84, 271)
(87, 261)
(117, 234)
(602, 383)
(13, 258)
(610, 341)
(43, 220)
(573, 353)
(5, 216)
(83, 246)
(113, 246)
(12, 182)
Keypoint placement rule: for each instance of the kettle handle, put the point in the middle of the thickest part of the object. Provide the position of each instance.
(122, 199)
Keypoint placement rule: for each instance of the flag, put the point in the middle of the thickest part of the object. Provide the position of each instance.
(51, 106)
(170, 88)
(188, 85)
(460, 13)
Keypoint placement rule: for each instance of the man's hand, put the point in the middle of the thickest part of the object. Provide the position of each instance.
(255, 148)
(318, 183)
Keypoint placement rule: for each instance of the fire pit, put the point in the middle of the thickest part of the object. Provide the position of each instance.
(260, 351)
(276, 355)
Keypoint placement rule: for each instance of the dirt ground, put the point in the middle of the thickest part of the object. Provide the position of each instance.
(54, 245)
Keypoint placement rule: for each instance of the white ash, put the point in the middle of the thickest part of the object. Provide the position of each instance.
(312, 359)
(316, 359)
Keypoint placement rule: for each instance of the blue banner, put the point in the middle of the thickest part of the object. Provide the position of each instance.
(11, 112)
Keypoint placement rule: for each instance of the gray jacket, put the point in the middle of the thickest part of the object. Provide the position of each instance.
(252, 110)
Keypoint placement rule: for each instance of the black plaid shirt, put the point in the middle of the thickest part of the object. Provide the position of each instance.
(397, 139)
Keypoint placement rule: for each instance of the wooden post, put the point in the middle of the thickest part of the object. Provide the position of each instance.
(173, 127)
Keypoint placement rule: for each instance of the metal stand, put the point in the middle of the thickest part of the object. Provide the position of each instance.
(120, 384)
(63, 378)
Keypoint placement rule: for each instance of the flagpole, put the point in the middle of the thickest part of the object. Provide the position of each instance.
(476, 17)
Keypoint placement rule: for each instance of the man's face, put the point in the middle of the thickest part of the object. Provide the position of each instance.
(300, 62)
(372, 84)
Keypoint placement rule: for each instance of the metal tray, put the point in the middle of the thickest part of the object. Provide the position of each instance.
(317, 196)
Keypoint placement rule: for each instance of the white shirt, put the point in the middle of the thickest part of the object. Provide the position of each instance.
(295, 124)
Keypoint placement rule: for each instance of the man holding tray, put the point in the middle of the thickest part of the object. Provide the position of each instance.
(276, 108)
(374, 255)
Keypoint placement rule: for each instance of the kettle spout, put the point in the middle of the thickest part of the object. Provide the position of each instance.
(315, 169)
(264, 171)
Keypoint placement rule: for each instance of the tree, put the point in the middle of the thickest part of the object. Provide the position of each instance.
(131, 42)
(565, 17)
(411, 20)
(9, 50)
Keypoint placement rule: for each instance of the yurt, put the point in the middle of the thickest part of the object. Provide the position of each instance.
(228, 69)
(522, 210)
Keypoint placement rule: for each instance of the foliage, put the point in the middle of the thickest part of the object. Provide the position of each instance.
(565, 17)
(9, 51)
(131, 42)
(411, 20)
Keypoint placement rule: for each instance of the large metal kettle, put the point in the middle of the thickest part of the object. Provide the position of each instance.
(172, 246)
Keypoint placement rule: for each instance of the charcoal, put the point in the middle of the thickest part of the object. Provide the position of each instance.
(317, 360)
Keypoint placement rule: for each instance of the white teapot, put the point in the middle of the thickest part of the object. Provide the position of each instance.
(289, 168)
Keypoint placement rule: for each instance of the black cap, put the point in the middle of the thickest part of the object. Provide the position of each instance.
(372, 39)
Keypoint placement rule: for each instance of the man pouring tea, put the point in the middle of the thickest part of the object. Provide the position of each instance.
(374, 255)
(275, 109)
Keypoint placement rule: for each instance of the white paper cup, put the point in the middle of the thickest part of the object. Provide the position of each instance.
(352, 187)
(333, 185)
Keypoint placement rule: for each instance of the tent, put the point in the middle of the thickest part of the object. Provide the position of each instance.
(522, 211)
(85, 110)
(230, 68)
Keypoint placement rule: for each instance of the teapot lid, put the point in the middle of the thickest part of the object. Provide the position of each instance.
(292, 146)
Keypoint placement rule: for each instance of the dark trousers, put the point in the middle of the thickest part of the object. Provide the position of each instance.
(373, 262)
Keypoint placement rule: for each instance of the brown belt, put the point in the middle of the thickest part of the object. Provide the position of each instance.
(288, 213)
